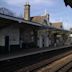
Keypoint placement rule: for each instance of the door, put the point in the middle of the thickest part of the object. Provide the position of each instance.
(7, 44)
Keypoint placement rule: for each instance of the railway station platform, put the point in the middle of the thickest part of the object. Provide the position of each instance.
(30, 51)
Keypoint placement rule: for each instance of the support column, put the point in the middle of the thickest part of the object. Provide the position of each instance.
(40, 42)
(65, 37)
(46, 41)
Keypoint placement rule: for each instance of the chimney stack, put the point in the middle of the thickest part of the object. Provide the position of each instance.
(27, 11)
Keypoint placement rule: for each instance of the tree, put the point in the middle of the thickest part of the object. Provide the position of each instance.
(68, 2)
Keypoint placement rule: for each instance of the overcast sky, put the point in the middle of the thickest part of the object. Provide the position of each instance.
(56, 8)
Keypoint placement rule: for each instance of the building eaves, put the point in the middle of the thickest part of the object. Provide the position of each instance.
(53, 28)
(20, 20)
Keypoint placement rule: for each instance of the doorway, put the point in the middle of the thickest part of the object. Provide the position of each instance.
(7, 44)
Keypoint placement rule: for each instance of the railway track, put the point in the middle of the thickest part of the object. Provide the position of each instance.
(33, 62)
(37, 66)
(66, 68)
(70, 70)
(61, 65)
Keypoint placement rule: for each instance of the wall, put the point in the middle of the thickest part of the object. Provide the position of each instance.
(13, 34)
(43, 39)
(26, 35)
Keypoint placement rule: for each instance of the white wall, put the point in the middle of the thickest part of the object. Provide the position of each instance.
(43, 36)
(13, 34)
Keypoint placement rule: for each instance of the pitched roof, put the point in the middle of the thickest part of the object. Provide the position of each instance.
(58, 25)
(38, 19)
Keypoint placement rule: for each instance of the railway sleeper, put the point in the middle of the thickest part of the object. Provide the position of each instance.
(65, 68)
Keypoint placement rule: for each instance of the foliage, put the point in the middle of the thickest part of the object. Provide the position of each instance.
(68, 2)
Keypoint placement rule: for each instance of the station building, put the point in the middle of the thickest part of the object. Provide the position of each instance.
(28, 32)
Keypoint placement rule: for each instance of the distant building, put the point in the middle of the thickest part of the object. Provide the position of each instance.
(70, 29)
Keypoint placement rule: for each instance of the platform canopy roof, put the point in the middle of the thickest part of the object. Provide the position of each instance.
(21, 20)
(54, 29)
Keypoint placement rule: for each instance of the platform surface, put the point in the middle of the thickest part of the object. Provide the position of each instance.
(30, 51)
